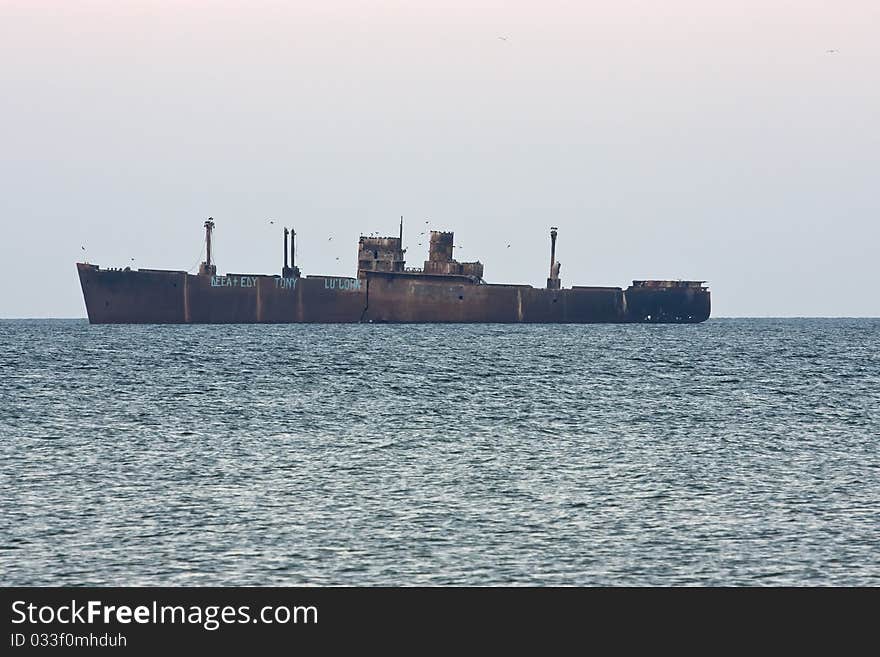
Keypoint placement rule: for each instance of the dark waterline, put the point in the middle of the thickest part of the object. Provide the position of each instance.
(730, 452)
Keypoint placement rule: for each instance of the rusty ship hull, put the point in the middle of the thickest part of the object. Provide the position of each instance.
(175, 297)
(384, 291)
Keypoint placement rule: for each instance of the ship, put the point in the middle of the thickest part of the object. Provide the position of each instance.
(384, 290)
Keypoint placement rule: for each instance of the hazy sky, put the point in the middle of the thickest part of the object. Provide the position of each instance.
(682, 139)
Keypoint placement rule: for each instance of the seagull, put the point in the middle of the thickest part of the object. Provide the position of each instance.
(503, 38)
(832, 50)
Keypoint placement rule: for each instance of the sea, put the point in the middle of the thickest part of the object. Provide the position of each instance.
(737, 452)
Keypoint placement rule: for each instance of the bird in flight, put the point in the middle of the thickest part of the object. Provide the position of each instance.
(271, 222)
(508, 246)
(329, 238)
(83, 248)
(503, 38)
(832, 50)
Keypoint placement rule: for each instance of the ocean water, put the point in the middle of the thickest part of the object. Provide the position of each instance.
(735, 452)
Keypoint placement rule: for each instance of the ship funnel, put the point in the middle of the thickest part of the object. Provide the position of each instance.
(553, 283)
(208, 268)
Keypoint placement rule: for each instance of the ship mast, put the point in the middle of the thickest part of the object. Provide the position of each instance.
(208, 267)
(289, 272)
(553, 282)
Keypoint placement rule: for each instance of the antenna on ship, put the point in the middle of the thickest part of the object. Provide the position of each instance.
(401, 264)
(553, 281)
(293, 271)
(285, 271)
(208, 267)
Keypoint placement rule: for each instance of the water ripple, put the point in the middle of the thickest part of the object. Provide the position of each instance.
(741, 452)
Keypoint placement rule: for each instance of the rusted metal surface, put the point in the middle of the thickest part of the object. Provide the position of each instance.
(380, 254)
(177, 297)
(553, 282)
(293, 270)
(208, 268)
(384, 291)
(697, 285)
(440, 260)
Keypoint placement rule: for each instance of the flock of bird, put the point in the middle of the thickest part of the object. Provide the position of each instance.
(330, 239)
(373, 234)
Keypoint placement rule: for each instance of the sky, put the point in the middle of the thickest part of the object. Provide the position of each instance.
(717, 141)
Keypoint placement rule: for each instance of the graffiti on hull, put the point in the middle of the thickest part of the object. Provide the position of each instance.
(346, 284)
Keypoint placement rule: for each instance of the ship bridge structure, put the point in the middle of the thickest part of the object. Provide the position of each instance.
(387, 255)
